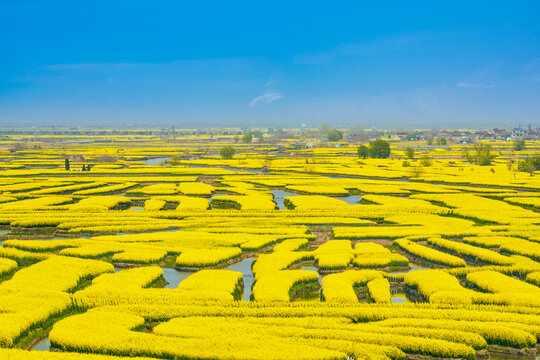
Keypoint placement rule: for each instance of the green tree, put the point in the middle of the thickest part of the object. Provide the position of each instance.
(334, 135)
(227, 152)
(247, 138)
(481, 155)
(236, 138)
(530, 165)
(467, 154)
(518, 144)
(411, 136)
(405, 163)
(409, 152)
(66, 164)
(363, 151)
(429, 141)
(258, 134)
(379, 149)
(426, 161)
(441, 141)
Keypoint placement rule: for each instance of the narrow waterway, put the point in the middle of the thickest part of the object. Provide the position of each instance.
(351, 200)
(3, 232)
(413, 267)
(43, 345)
(244, 267)
(156, 161)
(313, 268)
(279, 198)
(399, 297)
(174, 277)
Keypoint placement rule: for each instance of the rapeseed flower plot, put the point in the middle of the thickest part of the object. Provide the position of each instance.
(339, 287)
(195, 188)
(200, 258)
(98, 203)
(334, 254)
(59, 273)
(34, 204)
(431, 282)
(379, 290)
(314, 202)
(109, 332)
(277, 286)
(141, 255)
(477, 253)
(156, 189)
(7, 265)
(245, 202)
(105, 189)
(290, 245)
(154, 204)
(429, 254)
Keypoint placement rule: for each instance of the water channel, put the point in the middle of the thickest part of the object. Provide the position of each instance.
(279, 198)
(156, 161)
(4, 232)
(244, 267)
(398, 295)
(351, 200)
(174, 277)
(43, 344)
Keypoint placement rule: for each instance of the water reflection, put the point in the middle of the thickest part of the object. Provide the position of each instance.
(3, 232)
(156, 161)
(244, 267)
(313, 268)
(413, 267)
(43, 345)
(398, 296)
(174, 277)
(279, 198)
(351, 200)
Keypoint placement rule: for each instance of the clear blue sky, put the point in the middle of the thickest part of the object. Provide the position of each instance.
(379, 63)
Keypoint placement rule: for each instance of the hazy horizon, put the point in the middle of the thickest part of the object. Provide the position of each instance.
(279, 63)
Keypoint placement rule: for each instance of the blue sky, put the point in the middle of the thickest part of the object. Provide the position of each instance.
(269, 63)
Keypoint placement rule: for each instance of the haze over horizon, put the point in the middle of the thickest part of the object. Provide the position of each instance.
(269, 63)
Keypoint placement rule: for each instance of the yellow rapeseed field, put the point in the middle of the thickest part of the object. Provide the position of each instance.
(160, 249)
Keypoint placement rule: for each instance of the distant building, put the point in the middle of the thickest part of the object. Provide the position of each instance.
(501, 134)
(532, 134)
(518, 133)
(401, 135)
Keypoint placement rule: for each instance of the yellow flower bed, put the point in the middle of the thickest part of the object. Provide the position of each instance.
(276, 286)
(429, 254)
(201, 258)
(7, 265)
(379, 290)
(338, 288)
